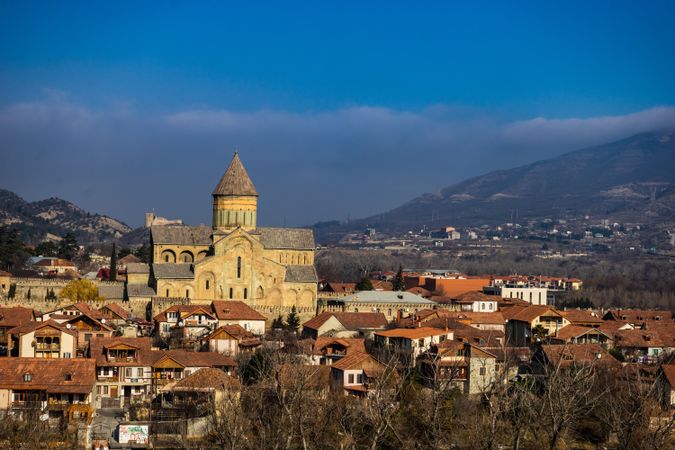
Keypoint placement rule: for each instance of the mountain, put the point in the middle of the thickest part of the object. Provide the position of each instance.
(53, 216)
(631, 180)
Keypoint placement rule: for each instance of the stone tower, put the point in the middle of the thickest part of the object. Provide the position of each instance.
(235, 199)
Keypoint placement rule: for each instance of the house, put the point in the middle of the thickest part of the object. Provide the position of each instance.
(231, 312)
(548, 357)
(186, 322)
(55, 266)
(204, 391)
(231, 340)
(344, 324)
(59, 388)
(87, 328)
(645, 344)
(327, 350)
(356, 374)
(638, 316)
(579, 334)
(410, 343)
(15, 316)
(532, 294)
(522, 320)
(392, 304)
(582, 317)
(463, 365)
(474, 301)
(67, 312)
(115, 314)
(48, 339)
(171, 365)
(123, 370)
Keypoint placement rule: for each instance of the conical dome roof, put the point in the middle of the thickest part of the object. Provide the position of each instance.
(235, 181)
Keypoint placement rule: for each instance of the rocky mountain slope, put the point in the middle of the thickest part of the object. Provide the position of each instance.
(631, 180)
(54, 217)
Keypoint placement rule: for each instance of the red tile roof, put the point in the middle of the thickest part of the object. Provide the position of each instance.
(16, 316)
(580, 316)
(143, 345)
(193, 359)
(350, 361)
(351, 345)
(579, 354)
(235, 310)
(574, 331)
(207, 379)
(117, 310)
(33, 326)
(49, 374)
(350, 320)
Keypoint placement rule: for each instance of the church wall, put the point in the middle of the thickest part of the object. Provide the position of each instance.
(175, 253)
(291, 257)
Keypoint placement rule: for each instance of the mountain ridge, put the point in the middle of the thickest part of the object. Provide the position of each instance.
(631, 179)
(53, 217)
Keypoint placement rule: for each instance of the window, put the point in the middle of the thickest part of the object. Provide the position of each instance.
(482, 371)
(420, 342)
(207, 285)
(350, 377)
(482, 306)
(68, 377)
(231, 293)
(238, 266)
(167, 292)
(27, 377)
(129, 372)
(166, 258)
(67, 355)
(245, 293)
(105, 390)
(139, 372)
(187, 293)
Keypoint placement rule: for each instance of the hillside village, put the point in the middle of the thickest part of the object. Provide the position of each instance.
(225, 336)
(98, 368)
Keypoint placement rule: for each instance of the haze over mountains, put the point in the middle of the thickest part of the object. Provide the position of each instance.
(631, 180)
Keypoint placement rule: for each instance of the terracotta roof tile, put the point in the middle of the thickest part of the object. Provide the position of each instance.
(143, 345)
(235, 310)
(49, 374)
(352, 321)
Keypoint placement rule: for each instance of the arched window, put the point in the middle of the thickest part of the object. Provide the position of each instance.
(231, 293)
(167, 292)
(187, 293)
(245, 293)
(238, 266)
(207, 285)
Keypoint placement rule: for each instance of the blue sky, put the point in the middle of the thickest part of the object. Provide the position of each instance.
(340, 96)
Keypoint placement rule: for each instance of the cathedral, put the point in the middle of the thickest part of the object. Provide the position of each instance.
(234, 259)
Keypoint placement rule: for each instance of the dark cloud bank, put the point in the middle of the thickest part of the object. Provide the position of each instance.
(307, 166)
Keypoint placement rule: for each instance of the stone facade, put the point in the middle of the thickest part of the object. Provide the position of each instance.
(267, 268)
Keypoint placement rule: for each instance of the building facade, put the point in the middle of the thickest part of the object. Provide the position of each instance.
(234, 259)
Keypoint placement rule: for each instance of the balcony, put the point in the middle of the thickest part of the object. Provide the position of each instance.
(47, 347)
